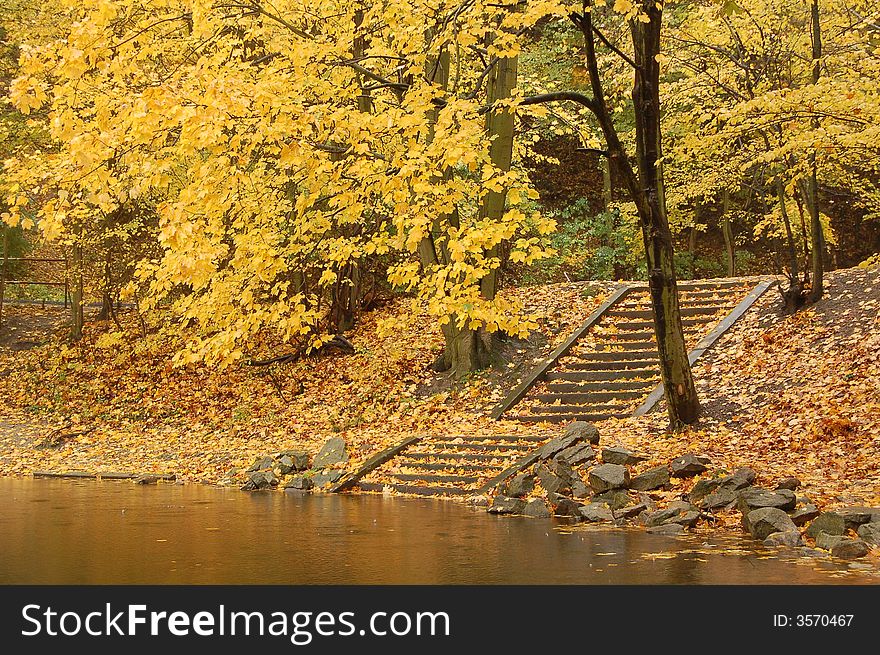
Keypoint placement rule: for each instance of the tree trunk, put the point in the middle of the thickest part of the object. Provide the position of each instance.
(726, 230)
(467, 350)
(793, 295)
(811, 191)
(76, 300)
(678, 381)
(106, 295)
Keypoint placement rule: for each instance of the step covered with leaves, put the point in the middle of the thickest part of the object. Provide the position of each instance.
(615, 365)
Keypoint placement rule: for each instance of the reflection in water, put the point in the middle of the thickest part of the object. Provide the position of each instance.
(117, 533)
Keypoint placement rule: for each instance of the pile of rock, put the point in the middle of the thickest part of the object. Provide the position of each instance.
(299, 472)
(584, 485)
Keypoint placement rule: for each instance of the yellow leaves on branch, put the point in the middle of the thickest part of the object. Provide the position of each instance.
(246, 136)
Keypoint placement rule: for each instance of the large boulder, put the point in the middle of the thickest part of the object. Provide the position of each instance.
(505, 505)
(756, 498)
(260, 480)
(668, 529)
(792, 484)
(583, 430)
(300, 459)
(789, 538)
(614, 498)
(536, 508)
(555, 476)
(596, 513)
(850, 549)
(739, 479)
(870, 532)
(803, 515)
(827, 541)
(520, 485)
(331, 454)
(703, 488)
(563, 506)
(651, 479)
(299, 483)
(722, 497)
(680, 513)
(763, 522)
(327, 477)
(579, 453)
(261, 464)
(688, 465)
(856, 516)
(620, 455)
(607, 477)
(828, 522)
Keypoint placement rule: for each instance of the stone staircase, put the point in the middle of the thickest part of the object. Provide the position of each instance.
(611, 368)
(449, 465)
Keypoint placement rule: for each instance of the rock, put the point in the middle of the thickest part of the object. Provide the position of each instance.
(551, 481)
(260, 480)
(856, 516)
(260, 464)
(828, 522)
(805, 514)
(285, 464)
(556, 445)
(654, 478)
(478, 500)
(688, 465)
(577, 454)
(755, 498)
(328, 477)
(147, 479)
(608, 476)
(870, 532)
(300, 483)
(331, 453)
(536, 508)
(300, 459)
(668, 529)
(615, 498)
(661, 516)
(764, 521)
(618, 455)
(739, 479)
(563, 506)
(723, 497)
(687, 519)
(583, 430)
(827, 541)
(596, 512)
(792, 484)
(702, 488)
(520, 485)
(579, 489)
(629, 512)
(505, 505)
(788, 538)
(850, 549)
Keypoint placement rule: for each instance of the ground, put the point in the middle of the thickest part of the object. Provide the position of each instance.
(787, 395)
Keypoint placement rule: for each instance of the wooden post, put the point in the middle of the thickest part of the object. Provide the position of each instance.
(5, 270)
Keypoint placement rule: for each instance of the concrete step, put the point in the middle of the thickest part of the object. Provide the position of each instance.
(466, 446)
(695, 323)
(565, 418)
(570, 364)
(512, 438)
(451, 466)
(451, 458)
(647, 313)
(602, 345)
(587, 386)
(612, 378)
(416, 490)
(578, 398)
(566, 373)
(608, 410)
(435, 478)
(615, 356)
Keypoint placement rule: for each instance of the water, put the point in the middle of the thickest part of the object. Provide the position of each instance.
(91, 532)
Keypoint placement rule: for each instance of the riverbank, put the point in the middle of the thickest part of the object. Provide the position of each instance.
(788, 395)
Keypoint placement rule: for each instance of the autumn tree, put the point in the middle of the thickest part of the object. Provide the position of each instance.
(247, 124)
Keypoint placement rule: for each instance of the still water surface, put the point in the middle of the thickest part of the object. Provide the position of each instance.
(89, 532)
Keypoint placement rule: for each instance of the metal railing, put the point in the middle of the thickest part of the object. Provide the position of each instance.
(4, 274)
